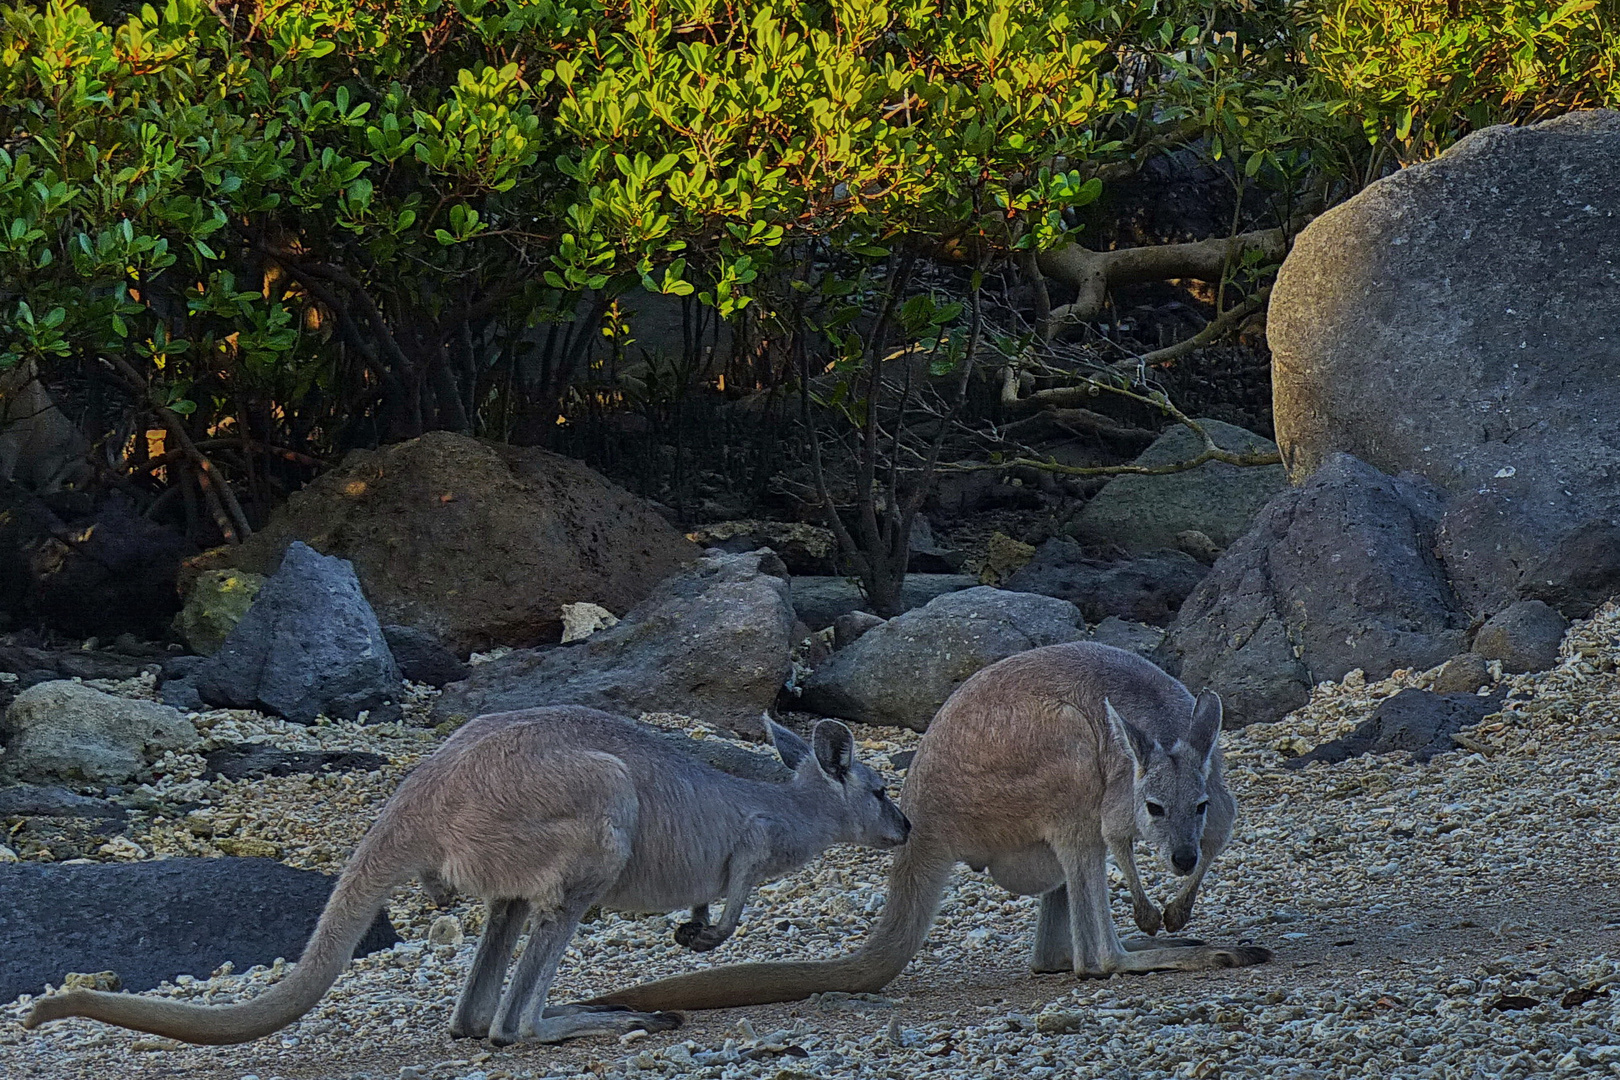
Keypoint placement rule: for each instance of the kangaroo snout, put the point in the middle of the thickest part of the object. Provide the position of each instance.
(902, 830)
(1183, 862)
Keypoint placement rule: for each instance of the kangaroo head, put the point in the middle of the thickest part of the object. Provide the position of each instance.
(1172, 799)
(869, 817)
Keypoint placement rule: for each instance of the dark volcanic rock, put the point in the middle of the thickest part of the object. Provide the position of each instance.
(1147, 589)
(151, 921)
(1418, 721)
(310, 644)
(1337, 574)
(422, 658)
(1579, 573)
(819, 601)
(40, 800)
(1524, 636)
(247, 761)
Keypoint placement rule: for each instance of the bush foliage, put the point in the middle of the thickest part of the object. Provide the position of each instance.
(322, 224)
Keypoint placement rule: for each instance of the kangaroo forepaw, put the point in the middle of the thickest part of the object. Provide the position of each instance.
(1148, 919)
(699, 937)
(1176, 915)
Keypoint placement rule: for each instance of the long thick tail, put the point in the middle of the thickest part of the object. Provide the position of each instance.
(916, 884)
(354, 903)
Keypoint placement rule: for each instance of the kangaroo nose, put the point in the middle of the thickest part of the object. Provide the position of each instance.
(1184, 861)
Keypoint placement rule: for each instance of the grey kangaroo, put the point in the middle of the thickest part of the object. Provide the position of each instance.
(1035, 768)
(544, 813)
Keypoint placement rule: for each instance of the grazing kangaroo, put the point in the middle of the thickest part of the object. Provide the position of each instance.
(1035, 768)
(544, 813)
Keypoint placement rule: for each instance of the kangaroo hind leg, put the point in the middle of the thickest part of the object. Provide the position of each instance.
(475, 1009)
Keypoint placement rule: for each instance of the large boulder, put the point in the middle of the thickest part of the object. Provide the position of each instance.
(900, 673)
(1457, 319)
(150, 921)
(477, 543)
(66, 730)
(712, 642)
(309, 645)
(1149, 588)
(1141, 513)
(1335, 575)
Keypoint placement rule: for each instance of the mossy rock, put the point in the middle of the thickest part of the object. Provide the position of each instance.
(216, 603)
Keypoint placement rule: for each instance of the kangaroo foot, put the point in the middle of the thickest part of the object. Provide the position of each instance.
(556, 1029)
(1177, 913)
(699, 937)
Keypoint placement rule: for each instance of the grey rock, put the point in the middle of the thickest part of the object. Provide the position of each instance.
(35, 800)
(1524, 636)
(900, 673)
(71, 663)
(1149, 588)
(1579, 574)
(151, 921)
(820, 600)
(422, 658)
(1401, 334)
(1139, 638)
(251, 761)
(1141, 513)
(66, 730)
(1486, 540)
(927, 556)
(713, 642)
(1464, 673)
(309, 645)
(181, 694)
(848, 628)
(1418, 721)
(1335, 575)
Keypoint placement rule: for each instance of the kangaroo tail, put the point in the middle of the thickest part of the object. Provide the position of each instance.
(915, 887)
(354, 903)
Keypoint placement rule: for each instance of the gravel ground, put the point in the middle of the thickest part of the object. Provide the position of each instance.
(1451, 920)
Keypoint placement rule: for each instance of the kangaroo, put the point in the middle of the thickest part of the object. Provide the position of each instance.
(1035, 768)
(544, 813)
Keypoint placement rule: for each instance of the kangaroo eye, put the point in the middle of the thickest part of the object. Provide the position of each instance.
(880, 794)
(1203, 806)
(1155, 810)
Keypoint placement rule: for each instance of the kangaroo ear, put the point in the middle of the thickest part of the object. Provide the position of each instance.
(835, 748)
(1206, 725)
(789, 747)
(1137, 741)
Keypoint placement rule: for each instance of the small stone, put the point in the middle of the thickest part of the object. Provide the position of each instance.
(248, 847)
(582, 620)
(1462, 674)
(848, 628)
(1003, 557)
(446, 930)
(1059, 1023)
(1525, 636)
(107, 981)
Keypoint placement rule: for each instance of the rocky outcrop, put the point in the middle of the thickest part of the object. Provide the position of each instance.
(1337, 574)
(1457, 319)
(476, 543)
(1149, 588)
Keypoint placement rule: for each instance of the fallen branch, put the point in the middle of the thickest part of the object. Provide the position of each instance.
(1092, 273)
